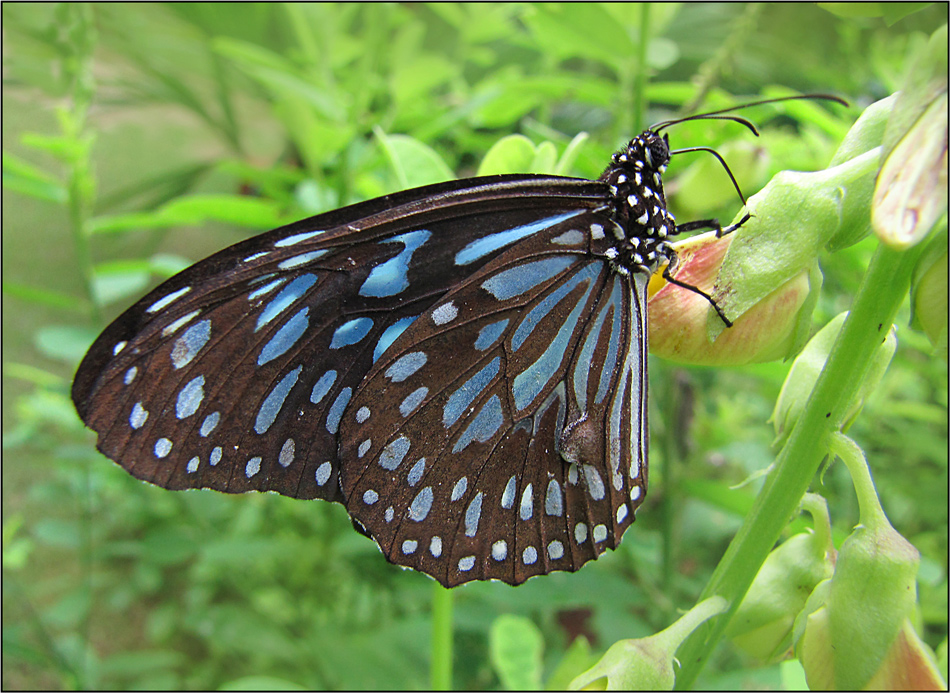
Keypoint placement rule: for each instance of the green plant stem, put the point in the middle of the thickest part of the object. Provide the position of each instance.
(875, 306)
(441, 665)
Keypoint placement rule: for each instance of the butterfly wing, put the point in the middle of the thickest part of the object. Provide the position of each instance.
(234, 374)
(504, 433)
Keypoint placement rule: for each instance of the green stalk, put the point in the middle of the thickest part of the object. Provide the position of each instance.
(885, 285)
(441, 665)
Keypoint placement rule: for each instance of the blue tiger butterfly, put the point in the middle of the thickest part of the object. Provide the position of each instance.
(463, 366)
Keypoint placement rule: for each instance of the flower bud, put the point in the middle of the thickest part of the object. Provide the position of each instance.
(929, 297)
(763, 623)
(678, 316)
(911, 191)
(646, 664)
(847, 639)
(808, 366)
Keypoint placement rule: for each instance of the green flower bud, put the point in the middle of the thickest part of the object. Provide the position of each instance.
(763, 623)
(911, 190)
(808, 366)
(847, 639)
(646, 664)
(929, 294)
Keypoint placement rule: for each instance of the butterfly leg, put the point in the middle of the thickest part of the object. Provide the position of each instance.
(670, 270)
(711, 224)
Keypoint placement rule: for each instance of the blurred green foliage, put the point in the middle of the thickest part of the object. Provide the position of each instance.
(140, 138)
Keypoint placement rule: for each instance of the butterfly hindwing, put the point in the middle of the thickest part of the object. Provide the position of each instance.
(476, 447)
(234, 374)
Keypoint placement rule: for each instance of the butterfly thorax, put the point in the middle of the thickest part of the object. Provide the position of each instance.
(639, 205)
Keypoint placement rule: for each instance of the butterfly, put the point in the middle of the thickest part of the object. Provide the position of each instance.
(463, 366)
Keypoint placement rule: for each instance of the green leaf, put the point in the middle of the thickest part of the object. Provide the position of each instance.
(21, 177)
(414, 162)
(516, 645)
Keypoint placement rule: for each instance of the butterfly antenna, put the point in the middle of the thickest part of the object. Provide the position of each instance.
(722, 161)
(743, 121)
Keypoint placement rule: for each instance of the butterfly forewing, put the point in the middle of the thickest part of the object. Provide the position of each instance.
(234, 374)
(476, 446)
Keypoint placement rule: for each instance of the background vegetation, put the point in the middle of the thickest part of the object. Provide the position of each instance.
(147, 136)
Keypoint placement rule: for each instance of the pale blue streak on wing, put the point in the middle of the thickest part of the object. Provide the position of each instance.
(390, 335)
(462, 399)
(536, 314)
(392, 277)
(517, 280)
(489, 334)
(533, 379)
(351, 332)
(287, 296)
(485, 424)
(285, 338)
(610, 362)
(489, 244)
(275, 400)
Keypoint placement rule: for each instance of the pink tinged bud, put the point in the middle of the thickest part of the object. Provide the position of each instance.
(908, 666)
(678, 316)
(911, 191)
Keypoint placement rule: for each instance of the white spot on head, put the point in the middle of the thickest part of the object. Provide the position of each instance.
(643, 219)
(632, 200)
(445, 313)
